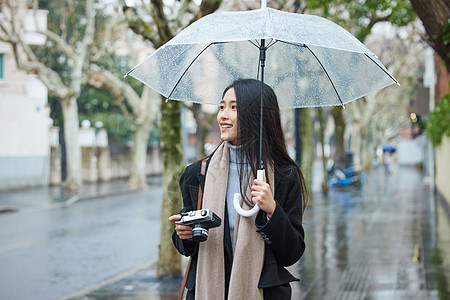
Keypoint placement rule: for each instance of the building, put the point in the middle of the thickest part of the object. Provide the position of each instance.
(24, 117)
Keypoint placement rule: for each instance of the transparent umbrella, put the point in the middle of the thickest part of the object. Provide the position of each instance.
(309, 61)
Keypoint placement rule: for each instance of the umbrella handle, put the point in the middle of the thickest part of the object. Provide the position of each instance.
(237, 198)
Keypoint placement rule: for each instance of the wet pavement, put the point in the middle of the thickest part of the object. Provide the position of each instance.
(376, 242)
(52, 246)
(388, 239)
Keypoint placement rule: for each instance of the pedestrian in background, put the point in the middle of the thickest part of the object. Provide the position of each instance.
(245, 256)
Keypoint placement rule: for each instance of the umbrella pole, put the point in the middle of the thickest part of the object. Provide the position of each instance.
(262, 59)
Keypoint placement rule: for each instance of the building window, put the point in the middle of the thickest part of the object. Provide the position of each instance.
(1, 65)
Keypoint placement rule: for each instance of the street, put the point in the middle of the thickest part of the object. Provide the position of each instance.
(52, 252)
(378, 241)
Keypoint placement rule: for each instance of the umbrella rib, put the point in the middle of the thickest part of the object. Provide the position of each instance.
(257, 45)
(387, 73)
(271, 43)
(184, 72)
(253, 43)
(329, 78)
(293, 44)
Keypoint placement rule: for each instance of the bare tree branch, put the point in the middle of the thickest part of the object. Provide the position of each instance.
(60, 43)
(88, 38)
(138, 26)
(23, 54)
(185, 9)
(206, 7)
(162, 24)
(112, 80)
(58, 40)
(146, 7)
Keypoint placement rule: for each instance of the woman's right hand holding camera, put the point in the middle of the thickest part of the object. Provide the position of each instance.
(184, 232)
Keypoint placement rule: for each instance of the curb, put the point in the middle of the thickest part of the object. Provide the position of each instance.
(91, 196)
(70, 201)
(98, 285)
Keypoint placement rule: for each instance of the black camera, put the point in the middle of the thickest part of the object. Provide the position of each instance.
(200, 221)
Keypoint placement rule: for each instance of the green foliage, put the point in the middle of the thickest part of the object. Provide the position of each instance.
(446, 32)
(67, 19)
(359, 16)
(445, 35)
(155, 136)
(99, 104)
(118, 128)
(438, 123)
(94, 100)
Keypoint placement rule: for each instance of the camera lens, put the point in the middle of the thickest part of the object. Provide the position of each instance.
(199, 233)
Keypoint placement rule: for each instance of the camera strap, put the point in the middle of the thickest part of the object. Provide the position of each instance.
(199, 206)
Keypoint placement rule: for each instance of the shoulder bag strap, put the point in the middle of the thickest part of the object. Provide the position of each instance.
(199, 206)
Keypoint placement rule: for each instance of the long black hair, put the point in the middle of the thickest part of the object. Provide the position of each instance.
(273, 151)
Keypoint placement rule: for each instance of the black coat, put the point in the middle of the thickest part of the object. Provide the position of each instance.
(283, 233)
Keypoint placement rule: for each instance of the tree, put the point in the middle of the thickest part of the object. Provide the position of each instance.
(320, 119)
(359, 17)
(166, 21)
(204, 123)
(138, 103)
(307, 137)
(144, 108)
(435, 16)
(72, 49)
(380, 116)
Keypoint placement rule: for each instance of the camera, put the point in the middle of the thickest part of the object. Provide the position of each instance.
(200, 221)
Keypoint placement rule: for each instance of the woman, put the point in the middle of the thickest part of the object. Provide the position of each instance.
(245, 257)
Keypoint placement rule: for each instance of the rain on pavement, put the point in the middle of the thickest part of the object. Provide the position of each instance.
(385, 240)
(47, 252)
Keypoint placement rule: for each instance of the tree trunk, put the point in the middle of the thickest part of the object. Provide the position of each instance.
(339, 142)
(306, 133)
(434, 15)
(74, 177)
(319, 112)
(145, 109)
(201, 130)
(169, 264)
(364, 144)
(357, 141)
(298, 137)
(369, 146)
(138, 155)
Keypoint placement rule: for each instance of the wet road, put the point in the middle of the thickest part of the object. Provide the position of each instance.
(47, 253)
(386, 240)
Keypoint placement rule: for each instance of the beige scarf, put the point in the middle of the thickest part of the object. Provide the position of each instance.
(248, 250)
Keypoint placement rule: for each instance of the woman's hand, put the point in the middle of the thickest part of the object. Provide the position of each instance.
(262, 195)
(183, 231)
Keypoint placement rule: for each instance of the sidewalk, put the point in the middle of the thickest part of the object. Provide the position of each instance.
(386, 240)
(55, 196)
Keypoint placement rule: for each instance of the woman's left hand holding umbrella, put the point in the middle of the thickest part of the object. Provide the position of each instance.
(262, 195)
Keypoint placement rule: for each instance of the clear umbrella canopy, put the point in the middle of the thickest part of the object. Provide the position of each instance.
(310, 61)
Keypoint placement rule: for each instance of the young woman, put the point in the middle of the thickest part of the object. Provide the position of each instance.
(244, 258)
